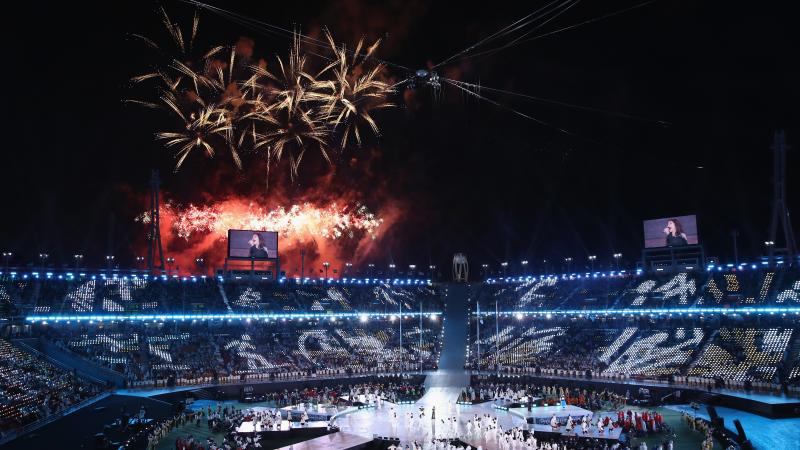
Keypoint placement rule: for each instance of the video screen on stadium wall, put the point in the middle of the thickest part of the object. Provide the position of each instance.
(252, 244)
(675, 231)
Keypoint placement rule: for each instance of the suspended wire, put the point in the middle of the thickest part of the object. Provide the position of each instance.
(560, 30)
(261, 26)
(504, 31)
(559, 103)
(508, 108)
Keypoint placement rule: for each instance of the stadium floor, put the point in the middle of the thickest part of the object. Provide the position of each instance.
(686, 438)
(202, 432)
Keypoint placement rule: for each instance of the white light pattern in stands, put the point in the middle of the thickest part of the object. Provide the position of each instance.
(621, 340)
(790, 295)
(732, 281)
(249, 298)
(644, 288)
(653, 355)
(531, 294)
(337, 296)
(765, 286)
(519, 348)
(714, 290)
(741, 354)
(115, 342)
(82, 298)
(327, 346)
(244, 348)
(679, 286)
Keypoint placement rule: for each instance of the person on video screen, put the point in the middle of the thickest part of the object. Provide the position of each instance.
(675, 235)
(257, 247)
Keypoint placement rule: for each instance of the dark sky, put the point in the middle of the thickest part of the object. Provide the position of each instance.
(479, 179)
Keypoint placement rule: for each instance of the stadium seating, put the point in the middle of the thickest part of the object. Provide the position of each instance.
(32, 388)
(207, 350)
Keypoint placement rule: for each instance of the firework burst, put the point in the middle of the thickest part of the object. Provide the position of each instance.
(291, 121)
(223, 100)
(355, 90)
(300, 222)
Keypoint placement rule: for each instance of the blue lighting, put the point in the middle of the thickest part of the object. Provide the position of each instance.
(625, 311)
(226, 316)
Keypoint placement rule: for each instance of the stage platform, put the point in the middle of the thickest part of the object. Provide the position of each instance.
(322, 412)
(774, 406)
(250, 427)
(545, 431)
(509, 404)
(541, 415)
(335, 441)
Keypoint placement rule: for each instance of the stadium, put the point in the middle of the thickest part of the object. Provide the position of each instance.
(307, 226)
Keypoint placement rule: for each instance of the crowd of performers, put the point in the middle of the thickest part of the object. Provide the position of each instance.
(547, 395)
(363, 392)
(631, 422)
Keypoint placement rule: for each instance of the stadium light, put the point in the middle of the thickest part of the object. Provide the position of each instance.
(43, 258)
(6, 257)
(326, 264)
(617, 257)
(592, 258)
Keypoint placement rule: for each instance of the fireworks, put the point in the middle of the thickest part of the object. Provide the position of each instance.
(302, 222)
(291, 121)
(355, 93)
(226, 101)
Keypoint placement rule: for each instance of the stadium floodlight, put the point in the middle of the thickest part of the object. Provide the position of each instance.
(326, 264)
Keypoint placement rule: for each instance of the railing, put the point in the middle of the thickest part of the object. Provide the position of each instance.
(678, 381)
(268, 378)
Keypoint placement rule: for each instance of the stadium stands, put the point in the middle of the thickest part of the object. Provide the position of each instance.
(203, 351)
(137, 295)
(32, 388)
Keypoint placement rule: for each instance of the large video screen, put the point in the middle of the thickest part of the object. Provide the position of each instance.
(252, 244)
(675, 231)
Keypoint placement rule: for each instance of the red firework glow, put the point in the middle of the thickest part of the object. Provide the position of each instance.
(336, 231)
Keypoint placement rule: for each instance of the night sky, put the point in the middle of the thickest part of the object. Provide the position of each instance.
(473, 177)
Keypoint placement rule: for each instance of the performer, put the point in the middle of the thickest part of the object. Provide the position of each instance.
(675, 235)
(258, 248)
(554, 423)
